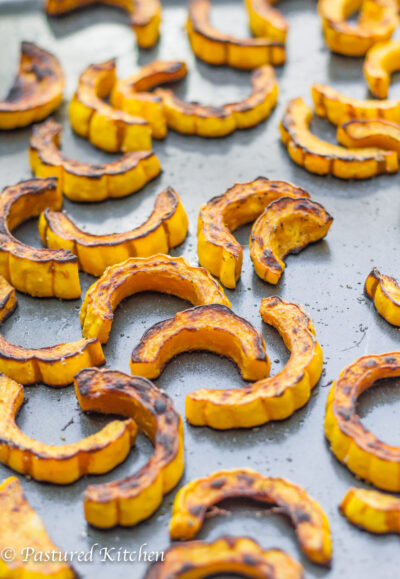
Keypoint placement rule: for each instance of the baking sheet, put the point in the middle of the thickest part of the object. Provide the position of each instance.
(326, 278)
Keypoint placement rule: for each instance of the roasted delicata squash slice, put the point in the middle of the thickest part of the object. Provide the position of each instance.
(145, 15)
(166, 228)
(195, 498)
(366, 456)
(210, 121)
(132, 94)
(381, 61)
(323, 158)
(87, 182)
(162, 273)
(213, 328)
(8, 299)
(377, 21)
(106, 127)
(370, 133)
(96, 454)
(371, 510)
(287, 226)
(239, 555)
(217, 249)
(37, 90)
(384, 291)
(21, 527)
(134, 499)
(37, 272)
(274, 398)
(265, 21)
(218, 48)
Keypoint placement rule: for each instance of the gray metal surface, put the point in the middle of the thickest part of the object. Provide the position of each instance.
(326, 278)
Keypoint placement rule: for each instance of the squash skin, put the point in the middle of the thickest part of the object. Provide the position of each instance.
(105, 127)
(220, 49)
(377, 22)
(310, 522)
(37, 272)
(21, 526)
(170, 275)
(37, 90)
(384, 291)
(166, 228)
(145, 15)
(352, 444)
(323, 158)
(274, 398)
(381, 61)
(209, 121)
(265, 21)
(84, 182)
(214, 328)
(239, 555)
(372, 133)
(96, 454)
(373, 511)
(287, 226)
(127, 502)
(217, 249)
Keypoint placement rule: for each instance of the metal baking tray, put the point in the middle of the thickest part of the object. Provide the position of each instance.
(326, 278)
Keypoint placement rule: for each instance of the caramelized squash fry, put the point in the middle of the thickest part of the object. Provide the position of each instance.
(384, 291)
(373, 511)
(381, 61)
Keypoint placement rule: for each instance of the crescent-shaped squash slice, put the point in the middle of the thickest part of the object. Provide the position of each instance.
(218, 48)
(166, 228)
(265, 21)
(287, 226)
(385, 293)
(371, 510)
(106, 127)
(37, 90)
(370, 133)
(37, 272)
(323, 158)
(131, 94)
(239, 555)
(145, 15)
(210, 121)
(381, 61)
(213, 328)
(274, 398)
(8, 299)
(134, 499)
(377, 21)
(22, 529)
(195, 498)
(160, 273)
(87, 182)
(366, 456)
(217, 249)
(96, 454)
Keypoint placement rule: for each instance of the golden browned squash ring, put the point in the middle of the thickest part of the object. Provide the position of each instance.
(381, 61)
(106, 127)
(238, 555)
(377, 21)
(166, 228)
(37, 90)
(274, 398)
(385, 293)
(323, 158)
(370, 133)
(213, 328)
(217, 249)
(373, 511)
(131, 94)
(84, 181)
(22, 528)
(162, 273)
(218, 48)
(366, 456)
(210, 121)
(287, 226)
(127, 502)
(145, 15)
(37, 272)
(265, 21)
(8, 299)
(195, 498)
(96, 454)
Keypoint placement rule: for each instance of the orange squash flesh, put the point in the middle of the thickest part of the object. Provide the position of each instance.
(381, 61)
(370, 133)
(266, 21)
(384, 291)
(373, 511)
